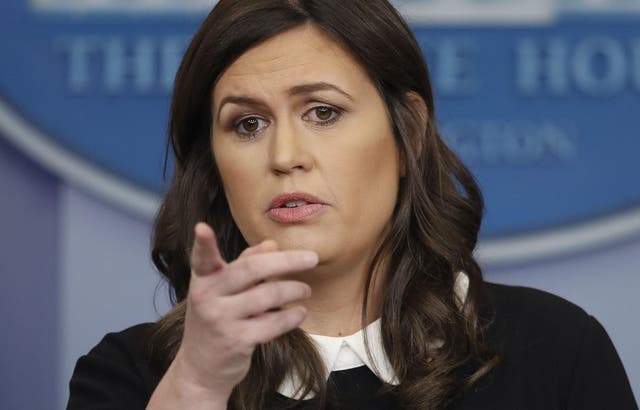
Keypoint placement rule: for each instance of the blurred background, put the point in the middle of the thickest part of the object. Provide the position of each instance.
(541, 99)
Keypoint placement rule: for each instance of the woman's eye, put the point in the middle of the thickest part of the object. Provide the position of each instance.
(322, 115)
(250, 126)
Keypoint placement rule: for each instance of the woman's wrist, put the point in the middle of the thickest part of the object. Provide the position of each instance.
(178, 390)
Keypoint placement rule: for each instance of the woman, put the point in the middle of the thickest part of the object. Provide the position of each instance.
(308, 161)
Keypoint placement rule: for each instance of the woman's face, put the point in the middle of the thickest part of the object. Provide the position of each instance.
(297, 114)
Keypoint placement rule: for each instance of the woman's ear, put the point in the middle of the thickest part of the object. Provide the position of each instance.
(420, 110)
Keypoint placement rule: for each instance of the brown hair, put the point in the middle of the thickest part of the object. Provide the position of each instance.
(432, 233)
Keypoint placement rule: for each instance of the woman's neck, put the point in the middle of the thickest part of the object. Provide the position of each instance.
(335, 308)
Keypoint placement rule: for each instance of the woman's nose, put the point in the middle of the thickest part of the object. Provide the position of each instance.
(288, 151)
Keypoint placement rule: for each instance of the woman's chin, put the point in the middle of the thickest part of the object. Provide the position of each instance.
(296, 241)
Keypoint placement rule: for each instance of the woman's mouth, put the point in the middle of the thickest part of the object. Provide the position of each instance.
(295, 207)
(299, 211)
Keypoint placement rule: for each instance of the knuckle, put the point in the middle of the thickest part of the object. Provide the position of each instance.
(262, 339)
(214, 314)
(253, 277)
(231, 340)
(245, 351)
(238, 345)
(196, 294)
(250, 272)
(251, 265)
(235, 343)
(229, 346)
(197, 297)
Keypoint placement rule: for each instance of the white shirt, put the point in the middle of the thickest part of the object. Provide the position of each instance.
(348, 352)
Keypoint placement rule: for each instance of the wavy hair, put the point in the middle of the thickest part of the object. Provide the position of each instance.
(432, 234)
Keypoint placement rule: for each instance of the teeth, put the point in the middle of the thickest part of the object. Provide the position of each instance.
(295, 204)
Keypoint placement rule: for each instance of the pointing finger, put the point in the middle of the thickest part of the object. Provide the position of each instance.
(205, 255)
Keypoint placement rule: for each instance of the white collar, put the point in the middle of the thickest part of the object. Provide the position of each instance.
(348, 352)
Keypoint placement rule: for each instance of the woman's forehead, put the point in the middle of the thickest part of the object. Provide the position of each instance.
(302, 55)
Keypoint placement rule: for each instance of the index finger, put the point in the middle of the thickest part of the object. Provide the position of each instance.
(205, 255)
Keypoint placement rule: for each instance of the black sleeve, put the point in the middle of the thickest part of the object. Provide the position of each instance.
(114, 375)
(599, 380)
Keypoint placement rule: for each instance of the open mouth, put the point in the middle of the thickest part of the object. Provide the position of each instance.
(295, 211)
(293, 200)
(294, 204)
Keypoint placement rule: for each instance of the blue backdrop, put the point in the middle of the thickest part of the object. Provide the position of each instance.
(539, 98)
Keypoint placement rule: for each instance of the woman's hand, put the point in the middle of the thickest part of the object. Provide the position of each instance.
(231, 308)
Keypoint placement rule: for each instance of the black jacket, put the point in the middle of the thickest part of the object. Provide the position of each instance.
(553, 356)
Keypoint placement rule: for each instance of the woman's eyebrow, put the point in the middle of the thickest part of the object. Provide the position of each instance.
(241, 100)
(320, 86)
(295, 90)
